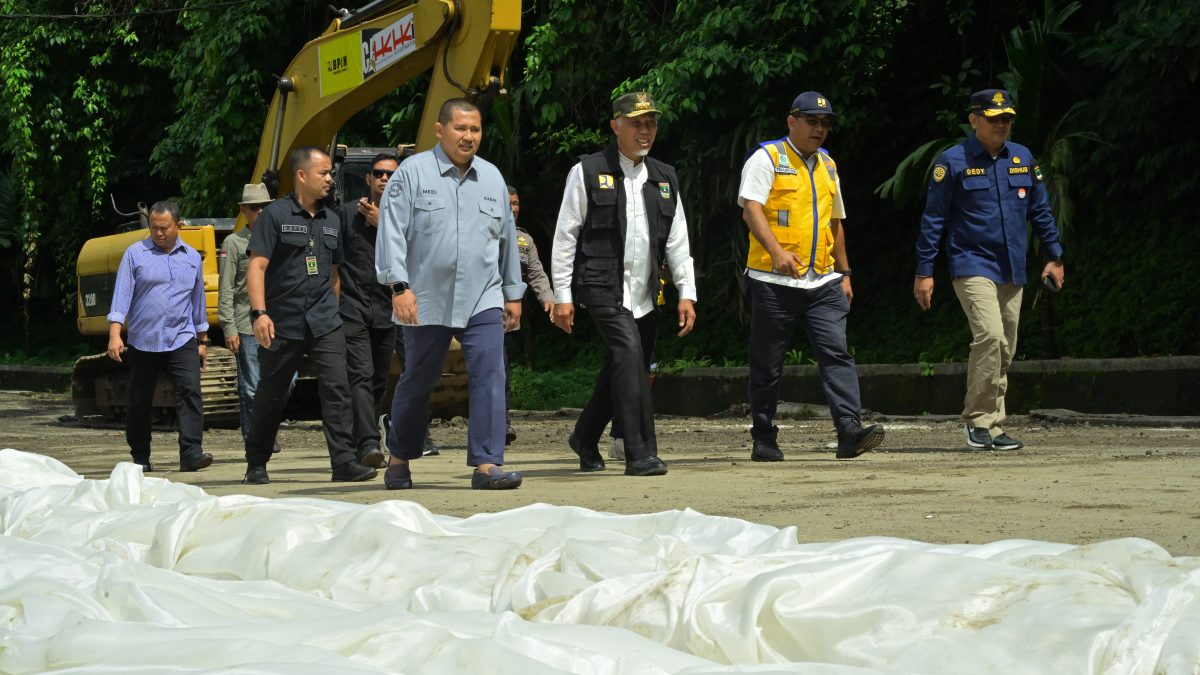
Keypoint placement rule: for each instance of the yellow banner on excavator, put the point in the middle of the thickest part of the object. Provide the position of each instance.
(341, 63)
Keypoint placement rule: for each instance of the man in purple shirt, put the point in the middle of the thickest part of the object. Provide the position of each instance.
(159, 300)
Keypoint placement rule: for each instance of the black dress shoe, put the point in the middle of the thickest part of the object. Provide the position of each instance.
(353, 472)
(372, 457)
(201, 461)
(589, 458)
(146, 468)
(397, 477)
(766, 451)
(646, 466)
(855, 439)
(256, 474)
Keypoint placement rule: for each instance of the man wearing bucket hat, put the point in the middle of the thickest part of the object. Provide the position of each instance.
(797, 271)
(620, 219)
(233, 301)
(981, 195)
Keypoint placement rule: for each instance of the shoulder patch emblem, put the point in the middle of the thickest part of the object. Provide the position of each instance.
(606, 181)
(394, 189)
(665, 190)
(1037, 171)
(939, 173)
(522, 241)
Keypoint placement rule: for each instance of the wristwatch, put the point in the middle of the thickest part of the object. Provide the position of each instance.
(255, 313)
(399, 288)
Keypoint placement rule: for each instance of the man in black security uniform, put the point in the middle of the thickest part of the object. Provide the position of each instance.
(293, 285)
(620, 218)
(366, 310)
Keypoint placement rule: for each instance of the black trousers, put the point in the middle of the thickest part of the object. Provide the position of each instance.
(182, 366)
(775, 311)
(368, 358)
(278, 364)
(622, 391)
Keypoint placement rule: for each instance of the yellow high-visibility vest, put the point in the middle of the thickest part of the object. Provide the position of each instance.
(798, 209)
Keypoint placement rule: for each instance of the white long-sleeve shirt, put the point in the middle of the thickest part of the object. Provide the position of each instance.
(637, 294)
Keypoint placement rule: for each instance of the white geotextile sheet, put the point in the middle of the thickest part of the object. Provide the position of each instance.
(142, 575)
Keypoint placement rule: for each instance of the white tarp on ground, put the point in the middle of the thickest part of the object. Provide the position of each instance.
(141, 575)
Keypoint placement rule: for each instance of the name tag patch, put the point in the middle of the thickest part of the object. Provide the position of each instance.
(331, 231)
(785, 170)
(286, 228)
(1018, 169)
(975, 172)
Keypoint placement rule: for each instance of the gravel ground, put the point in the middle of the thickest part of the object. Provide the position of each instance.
(1072, 483)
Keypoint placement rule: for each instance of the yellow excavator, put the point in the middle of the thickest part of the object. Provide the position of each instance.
(360, 57)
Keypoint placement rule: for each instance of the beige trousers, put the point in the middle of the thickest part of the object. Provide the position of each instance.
(993, 310)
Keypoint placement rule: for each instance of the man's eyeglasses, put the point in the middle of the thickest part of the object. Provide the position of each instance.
(816, 121)
(382, 173)
(514, 203)
(1000, 119)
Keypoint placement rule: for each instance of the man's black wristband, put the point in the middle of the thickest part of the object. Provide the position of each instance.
(255, 313)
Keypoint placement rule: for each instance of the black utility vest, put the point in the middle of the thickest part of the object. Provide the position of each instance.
(600, 252)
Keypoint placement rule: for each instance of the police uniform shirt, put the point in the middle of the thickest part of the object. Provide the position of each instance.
(758, 175)
(296, 243)
(978, 205)
(637, 295)
(364, 300)
(532, 272)
(450, 236)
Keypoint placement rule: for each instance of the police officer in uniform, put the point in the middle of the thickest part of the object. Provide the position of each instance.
(981, 195)
(535, 278)
(797, 271)
(620, 219)
(293, 285)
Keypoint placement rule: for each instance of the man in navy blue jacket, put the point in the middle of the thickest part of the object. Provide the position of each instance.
(982, 194)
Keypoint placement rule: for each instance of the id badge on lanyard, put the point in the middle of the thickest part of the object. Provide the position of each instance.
(310, 261)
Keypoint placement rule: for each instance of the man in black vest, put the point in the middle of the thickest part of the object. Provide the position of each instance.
(619, 221)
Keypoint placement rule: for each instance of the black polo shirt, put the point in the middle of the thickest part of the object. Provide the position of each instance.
(288, 235)
(365, 301)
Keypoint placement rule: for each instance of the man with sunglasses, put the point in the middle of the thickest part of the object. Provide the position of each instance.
(981, 195)
(797, 271)
(366, 310)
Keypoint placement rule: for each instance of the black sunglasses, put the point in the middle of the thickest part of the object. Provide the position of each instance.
(382, 173)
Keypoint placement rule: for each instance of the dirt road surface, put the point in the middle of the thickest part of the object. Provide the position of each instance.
(1073, 483)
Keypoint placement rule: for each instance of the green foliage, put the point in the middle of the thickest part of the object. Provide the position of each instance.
(551, 390)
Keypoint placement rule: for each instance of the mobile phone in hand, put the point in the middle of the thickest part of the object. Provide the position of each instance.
(1048, 282)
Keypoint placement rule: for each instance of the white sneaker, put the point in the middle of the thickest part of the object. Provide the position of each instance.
(385, 423)
(617, 450)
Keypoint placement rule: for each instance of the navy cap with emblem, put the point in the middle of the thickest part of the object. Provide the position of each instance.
(992, 102)
(812, 103)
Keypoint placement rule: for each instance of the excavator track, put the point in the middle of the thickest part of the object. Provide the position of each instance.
(100, 391)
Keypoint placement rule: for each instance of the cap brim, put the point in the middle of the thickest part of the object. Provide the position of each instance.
(992, 112)
(638, 113)
(251, 203)
(818, 111)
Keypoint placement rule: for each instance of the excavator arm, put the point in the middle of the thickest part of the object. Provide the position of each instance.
(365, 54)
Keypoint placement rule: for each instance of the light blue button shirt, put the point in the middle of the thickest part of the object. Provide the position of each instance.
(451, 238)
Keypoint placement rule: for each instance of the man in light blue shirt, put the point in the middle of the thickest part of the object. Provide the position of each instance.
(447, 247)
(159, 299)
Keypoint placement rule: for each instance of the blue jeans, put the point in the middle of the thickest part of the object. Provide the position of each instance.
(248, 377)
